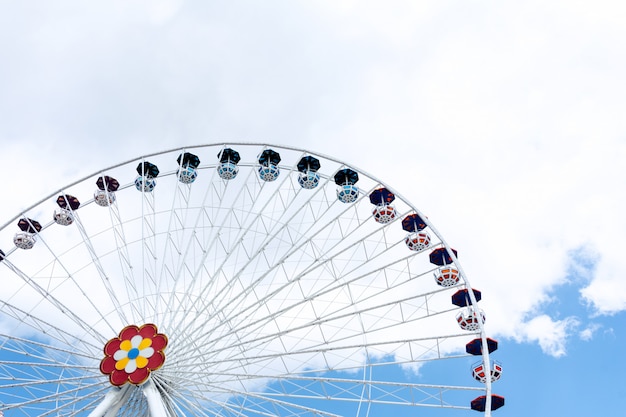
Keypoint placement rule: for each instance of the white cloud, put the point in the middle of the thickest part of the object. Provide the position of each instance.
(587, 333)
(551, 335)
(606, 292)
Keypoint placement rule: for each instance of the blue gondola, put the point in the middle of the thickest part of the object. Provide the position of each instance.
(308, 178)
(269, 159)
(229, 158)
(347, 191)
(187, 163)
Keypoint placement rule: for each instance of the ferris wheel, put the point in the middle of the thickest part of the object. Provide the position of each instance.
(236, 280)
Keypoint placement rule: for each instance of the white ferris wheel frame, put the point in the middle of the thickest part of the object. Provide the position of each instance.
(159, 406)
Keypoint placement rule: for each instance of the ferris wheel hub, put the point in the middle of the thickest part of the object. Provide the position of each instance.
(134, 354)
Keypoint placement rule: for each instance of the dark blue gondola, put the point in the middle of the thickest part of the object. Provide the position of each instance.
(347, 191)
(475, 347)
(441, 257)
(309, 163)
(188, 163)
(480, 403)
(268, 170)
(461, 298)
(188, 160)
(382, 196)
(413, 223)
(229, 155)
(308, 177)
(229, 158)
(346, 176)
(147, 169)
(268, 157)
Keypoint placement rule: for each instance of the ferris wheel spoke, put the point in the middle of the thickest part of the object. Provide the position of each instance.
(263, 405)
(40, 398)
(347, 344)
(34, 381)
(125, 262)
(313, 265)
(286, 391)
(176, 240)
(196, 271)
(68, 408)
(245, 291)
(302, 358)
(229, 371)
(40, 371)
(148, 280)
(56, 404)
(49, 289)
(212, 407)
(61, 307)
(245, 323)
(251, 221)
(241, 224)
(255, 341)
(375, 392)
(104, 279)
(53, 332)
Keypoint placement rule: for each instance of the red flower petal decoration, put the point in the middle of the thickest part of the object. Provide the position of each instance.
(159, 342)
(112, 346)
(118, 378)
(120, 354)
(156, 361)
(148, 331)
(139, 376)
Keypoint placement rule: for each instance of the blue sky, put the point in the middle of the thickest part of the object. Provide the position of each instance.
(502, 121)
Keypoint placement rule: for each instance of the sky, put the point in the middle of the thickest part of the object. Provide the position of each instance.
(502, 121)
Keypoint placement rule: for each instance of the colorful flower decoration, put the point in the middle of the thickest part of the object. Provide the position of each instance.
(132, 355)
